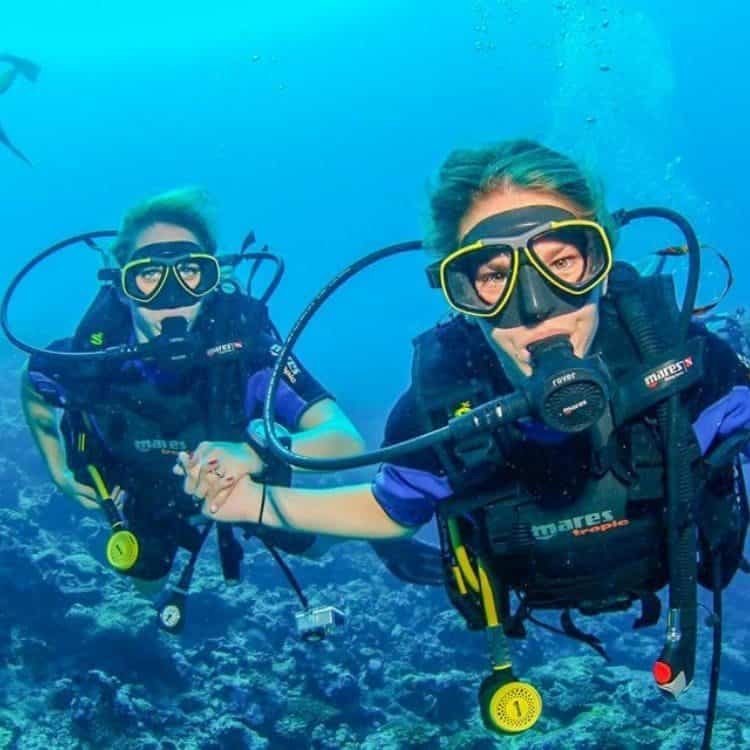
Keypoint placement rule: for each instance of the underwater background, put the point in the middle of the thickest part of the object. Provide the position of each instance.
(319, 124)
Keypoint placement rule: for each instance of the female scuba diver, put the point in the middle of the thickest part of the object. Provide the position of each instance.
(122, 428)
(570, 427)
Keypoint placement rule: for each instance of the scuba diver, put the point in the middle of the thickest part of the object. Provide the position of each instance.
(573, 430)
(170, 354)
(22, 67)
(125, 418)
(734, 328)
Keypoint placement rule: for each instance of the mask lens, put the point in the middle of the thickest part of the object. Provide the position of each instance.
(143, 280)
(199, 275)
(575, 256)
(478, 281)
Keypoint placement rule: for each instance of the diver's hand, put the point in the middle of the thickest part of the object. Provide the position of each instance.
(242, 502)
(81, 493)
(222, 459)
(214, 469)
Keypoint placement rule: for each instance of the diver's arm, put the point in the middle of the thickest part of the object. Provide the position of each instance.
(42, 420)
(324, 431)
(318, 427)
(351, 512)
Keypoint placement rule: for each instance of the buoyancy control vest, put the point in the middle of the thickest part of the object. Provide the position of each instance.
(136, 419)
(578, 522)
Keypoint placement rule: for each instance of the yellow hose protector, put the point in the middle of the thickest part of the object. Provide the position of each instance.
(460, 584)
(508, 706)
(122, 546)
(101, 488)
(462, 556)
(488, 598)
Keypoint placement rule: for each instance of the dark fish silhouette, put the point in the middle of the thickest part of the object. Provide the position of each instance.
(29, 70)
(25, 68)
(7, 78)
(6, 142)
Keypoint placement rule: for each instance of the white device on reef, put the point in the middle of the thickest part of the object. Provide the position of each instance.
(315, 623)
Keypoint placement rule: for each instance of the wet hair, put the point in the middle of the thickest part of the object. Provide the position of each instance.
(189, 208)
(467, 174)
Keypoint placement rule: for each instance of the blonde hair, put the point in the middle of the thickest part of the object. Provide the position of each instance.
(187, 207)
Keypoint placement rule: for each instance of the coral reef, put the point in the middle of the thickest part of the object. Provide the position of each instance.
(86, 667)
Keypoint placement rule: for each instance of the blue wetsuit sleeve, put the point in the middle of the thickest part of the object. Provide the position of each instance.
(722, 400)
(409, 496)
(42, 371)
(410, 490)
(298, 390)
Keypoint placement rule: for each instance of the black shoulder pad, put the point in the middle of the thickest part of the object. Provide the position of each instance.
(656, 291)
(234, 314)
(105, 323)
(449, 351)
(622, 276)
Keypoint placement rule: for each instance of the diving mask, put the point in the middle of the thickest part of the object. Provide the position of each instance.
(166, 275)
(522, 266)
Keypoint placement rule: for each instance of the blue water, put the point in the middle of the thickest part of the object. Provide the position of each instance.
(319, 124)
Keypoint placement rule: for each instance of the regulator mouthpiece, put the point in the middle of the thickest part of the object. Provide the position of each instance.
(569, 394)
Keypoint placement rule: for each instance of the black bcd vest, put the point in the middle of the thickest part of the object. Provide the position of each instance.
(572, 524)
(134, 427)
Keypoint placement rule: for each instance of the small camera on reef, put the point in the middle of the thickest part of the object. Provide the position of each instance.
(314, 624)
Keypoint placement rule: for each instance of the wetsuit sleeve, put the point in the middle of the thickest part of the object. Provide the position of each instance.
(410, 490)
(720, 406)
(298, 390)
(43, 372)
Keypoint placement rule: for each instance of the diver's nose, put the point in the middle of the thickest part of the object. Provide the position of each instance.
(534, 296)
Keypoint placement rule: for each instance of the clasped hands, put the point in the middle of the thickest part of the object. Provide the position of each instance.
(213, 471)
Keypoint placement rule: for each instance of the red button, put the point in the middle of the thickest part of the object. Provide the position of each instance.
(662, 673)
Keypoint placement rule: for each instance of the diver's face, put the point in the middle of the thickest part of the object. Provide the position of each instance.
(511, 344)
(147, 322)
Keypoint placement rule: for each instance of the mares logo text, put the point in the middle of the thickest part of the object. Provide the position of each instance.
(667, 373)
(591, 523)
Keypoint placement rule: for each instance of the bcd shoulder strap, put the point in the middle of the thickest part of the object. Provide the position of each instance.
(454, 370)
(105, 323)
